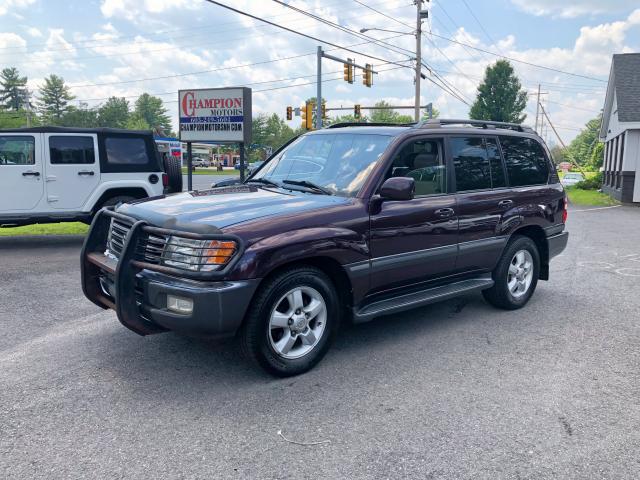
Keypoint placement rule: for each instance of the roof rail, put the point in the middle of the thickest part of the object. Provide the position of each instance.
(372, 124)
(486, 124)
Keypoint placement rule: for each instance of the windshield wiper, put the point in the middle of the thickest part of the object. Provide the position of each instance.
(310, 185)
(264, 181)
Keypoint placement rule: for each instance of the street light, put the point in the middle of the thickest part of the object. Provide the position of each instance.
(363, 30)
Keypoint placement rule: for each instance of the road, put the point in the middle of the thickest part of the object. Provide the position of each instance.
(454, 390)
(203, 182)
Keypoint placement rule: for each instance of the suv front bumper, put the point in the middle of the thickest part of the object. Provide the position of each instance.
(139, 295)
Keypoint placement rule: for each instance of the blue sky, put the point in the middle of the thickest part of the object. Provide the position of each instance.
(108, 47)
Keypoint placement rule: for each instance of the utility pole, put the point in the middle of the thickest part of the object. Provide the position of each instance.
(418, 57)
(319, 91)
(537, 109)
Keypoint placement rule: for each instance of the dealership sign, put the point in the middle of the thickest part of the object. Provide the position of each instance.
(215, 115)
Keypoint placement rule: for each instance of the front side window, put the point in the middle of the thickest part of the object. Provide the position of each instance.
(126, 151)
(525, 160)
(69, 150)
(339, 163)
(17, 150)
(423, 160)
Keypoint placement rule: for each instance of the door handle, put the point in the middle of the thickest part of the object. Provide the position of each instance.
(505, 203)
(30, 173)
(85, 172)
(444, 212)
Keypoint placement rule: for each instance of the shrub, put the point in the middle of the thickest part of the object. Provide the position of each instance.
(591, 183)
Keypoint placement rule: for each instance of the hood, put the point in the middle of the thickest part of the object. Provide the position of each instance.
(225, 206)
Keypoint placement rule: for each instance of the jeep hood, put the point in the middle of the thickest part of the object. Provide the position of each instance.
(224, 206)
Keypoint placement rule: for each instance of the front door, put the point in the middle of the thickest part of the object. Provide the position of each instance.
(73, 171)
(415, 240)
(21, 173)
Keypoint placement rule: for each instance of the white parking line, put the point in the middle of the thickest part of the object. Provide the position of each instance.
(592, 209)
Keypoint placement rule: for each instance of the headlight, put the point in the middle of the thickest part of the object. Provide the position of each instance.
(198, 255)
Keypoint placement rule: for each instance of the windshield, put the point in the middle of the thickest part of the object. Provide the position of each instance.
(338, 162)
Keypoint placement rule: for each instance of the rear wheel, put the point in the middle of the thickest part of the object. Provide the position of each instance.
(516, 275)
(291, 322)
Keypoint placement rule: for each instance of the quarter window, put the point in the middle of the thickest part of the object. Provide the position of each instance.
(68, 150)
(525, 160)
(498, 178)
(126, 151)
(17, 150)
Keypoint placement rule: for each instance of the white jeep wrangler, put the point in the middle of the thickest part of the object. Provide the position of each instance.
(54, 174)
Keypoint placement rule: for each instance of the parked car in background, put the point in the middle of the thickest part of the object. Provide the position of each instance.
(254, 166)
(200, 162)
(571, 178)
(54, 174)
(346, 223)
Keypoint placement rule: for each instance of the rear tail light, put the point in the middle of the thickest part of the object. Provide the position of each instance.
(165, 180)
(565, 211)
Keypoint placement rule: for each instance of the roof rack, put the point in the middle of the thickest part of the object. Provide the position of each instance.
(373, 124)
(486, 124)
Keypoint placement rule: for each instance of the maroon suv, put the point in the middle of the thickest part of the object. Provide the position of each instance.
(346, 223)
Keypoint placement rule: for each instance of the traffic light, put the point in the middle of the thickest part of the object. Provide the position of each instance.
(367, 75)
(324, 111)
(356, 111)
(289, 113)
(307, 116)
(348, 70)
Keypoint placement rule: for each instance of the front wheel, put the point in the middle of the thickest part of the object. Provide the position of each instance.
(291, 322)
(516, 275)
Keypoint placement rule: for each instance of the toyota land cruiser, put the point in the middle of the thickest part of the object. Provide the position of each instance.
(346, 223)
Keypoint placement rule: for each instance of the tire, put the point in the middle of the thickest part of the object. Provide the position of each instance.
(173, 169)
(113, 201)
(515, 279)
(276, 337)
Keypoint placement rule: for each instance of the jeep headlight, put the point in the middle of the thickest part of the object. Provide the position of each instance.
(198, 255)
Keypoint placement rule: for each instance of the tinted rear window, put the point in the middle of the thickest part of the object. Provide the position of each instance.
(69, 150)
(470, 163)
(525, 160)
(126, 151)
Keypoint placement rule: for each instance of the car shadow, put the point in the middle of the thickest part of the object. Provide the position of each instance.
(41, 241)
(177, 362)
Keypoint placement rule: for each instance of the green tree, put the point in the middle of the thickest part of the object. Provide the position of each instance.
(114, 113)
(500, 96)
(11, 119)
(558, 155)
(435, 113)
(152, 111)
(270, 131)
(583, 147)
(137, 122)
(13, 89)
(388, 116)
(82, 116)
(54, 99)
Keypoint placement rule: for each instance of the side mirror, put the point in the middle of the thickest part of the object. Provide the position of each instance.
(398, 188)
(226, 183)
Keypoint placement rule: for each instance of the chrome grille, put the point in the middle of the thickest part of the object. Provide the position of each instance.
(149, 249)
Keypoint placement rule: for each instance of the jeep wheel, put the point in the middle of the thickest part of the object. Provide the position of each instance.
(173, 170)
(516, 275)
(291, 322)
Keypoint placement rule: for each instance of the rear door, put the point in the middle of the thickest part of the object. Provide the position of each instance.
(485, 203)
(21, 172)
(72, 169)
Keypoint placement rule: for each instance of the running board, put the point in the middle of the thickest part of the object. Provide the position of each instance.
(417, 299)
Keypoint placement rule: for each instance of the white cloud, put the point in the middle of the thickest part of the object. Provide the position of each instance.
(7, 6)
(13, 41)
(135, 10)
(572, 8)
(34, 32)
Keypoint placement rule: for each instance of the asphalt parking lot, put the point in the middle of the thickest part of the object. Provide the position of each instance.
(454, 390)
(203, 182)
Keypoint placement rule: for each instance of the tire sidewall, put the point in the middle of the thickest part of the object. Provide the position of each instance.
(266, 355)
(519, 243)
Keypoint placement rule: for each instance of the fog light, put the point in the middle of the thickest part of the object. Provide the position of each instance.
(179, 304)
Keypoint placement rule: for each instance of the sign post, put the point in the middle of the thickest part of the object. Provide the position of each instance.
(220, 115)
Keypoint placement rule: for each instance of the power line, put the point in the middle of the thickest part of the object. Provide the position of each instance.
(311, 37)
(519, 61)
(479, 23)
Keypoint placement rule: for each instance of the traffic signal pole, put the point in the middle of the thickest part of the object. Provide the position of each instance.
(319, 90)
(418, 59)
